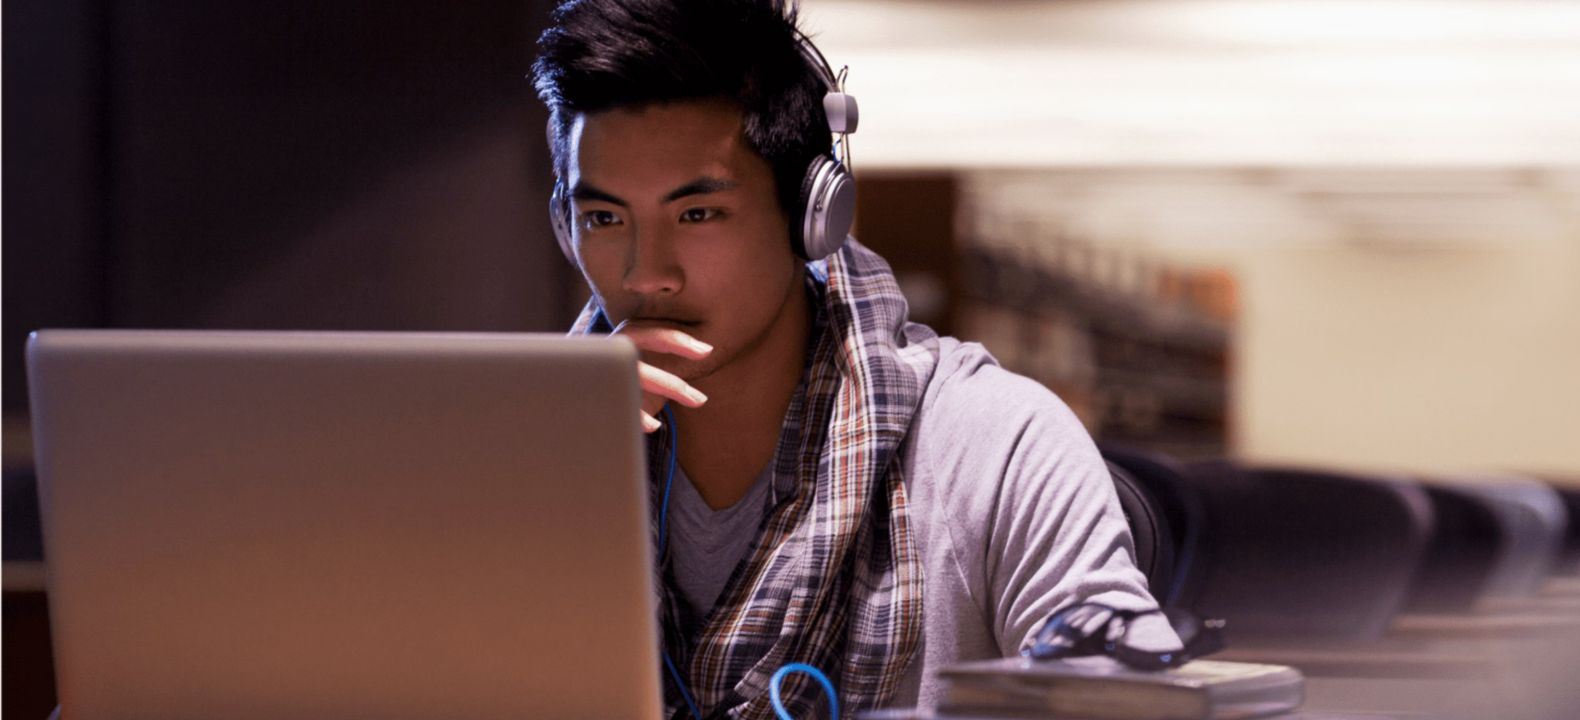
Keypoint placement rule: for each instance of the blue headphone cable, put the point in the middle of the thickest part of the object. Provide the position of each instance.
(779, 675)
(663, 540)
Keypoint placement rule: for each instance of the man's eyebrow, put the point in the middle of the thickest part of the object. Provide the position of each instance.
(701, 186)
(583, 191)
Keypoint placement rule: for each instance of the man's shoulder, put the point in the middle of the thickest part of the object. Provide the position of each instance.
(980, 426)
(991, 451)
(970, 390)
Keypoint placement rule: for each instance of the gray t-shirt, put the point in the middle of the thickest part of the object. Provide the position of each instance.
(1012, 509)
(707, 544)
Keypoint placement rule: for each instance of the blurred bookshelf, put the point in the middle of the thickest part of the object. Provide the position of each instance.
(1139, 348)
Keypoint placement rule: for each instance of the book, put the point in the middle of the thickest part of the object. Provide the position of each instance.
(1100, 688)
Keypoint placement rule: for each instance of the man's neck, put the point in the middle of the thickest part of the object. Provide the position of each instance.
(726, 443)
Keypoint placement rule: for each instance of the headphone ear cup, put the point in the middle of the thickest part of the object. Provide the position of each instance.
(798, 229)
(828, 207)
(559, 219)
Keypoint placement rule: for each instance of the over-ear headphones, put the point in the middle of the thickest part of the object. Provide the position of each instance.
(560, 219)
(828, 192)
(826, 203)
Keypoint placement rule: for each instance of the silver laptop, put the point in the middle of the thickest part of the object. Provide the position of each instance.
(312, 525)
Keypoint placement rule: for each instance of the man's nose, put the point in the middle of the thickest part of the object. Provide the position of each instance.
(653, 268)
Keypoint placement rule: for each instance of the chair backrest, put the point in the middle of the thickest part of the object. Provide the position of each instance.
(1569, 556)
(1149, 528)
(1172, 498)
(1466, 545)
(1297, 553)
(1534, 520)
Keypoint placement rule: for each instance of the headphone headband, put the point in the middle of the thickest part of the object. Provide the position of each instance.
(837, 105)
(828, 192)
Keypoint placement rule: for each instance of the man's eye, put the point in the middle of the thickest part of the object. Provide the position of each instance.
(696, 215)
(599, 218)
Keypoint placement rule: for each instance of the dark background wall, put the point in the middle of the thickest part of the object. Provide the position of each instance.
(339, 164)
(318, 165)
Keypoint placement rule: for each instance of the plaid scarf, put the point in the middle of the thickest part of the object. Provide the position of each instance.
(834, 578)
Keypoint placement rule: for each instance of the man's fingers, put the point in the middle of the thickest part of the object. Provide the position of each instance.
(663, 384)
(667, 340)
(660, 386)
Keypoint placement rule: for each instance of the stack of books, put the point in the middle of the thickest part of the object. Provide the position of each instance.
(1100, 688)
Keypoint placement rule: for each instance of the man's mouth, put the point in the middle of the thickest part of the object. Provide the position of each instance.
(655, 321)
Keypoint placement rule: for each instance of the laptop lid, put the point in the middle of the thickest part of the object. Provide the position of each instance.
(269, 524)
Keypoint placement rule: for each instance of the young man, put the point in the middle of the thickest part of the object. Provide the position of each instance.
(851, 491)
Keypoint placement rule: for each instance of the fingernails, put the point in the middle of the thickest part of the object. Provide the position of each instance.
(699, 345)
(696, 395)
(650, 423)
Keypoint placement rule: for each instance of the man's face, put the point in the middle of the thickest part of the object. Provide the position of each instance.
(676, 224)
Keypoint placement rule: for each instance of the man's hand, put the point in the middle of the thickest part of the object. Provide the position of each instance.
(660, 386)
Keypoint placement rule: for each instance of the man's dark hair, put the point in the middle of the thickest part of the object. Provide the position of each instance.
(607, 54)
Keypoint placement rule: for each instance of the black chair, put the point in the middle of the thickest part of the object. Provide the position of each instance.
(1296, 554)
(1179, 514)
(1533, 519)
(1149, 528)
(1569, 555)
(1464, 550)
